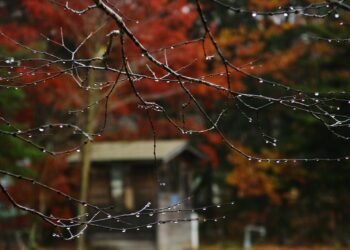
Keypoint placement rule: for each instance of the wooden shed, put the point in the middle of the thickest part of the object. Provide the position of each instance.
(125, 175)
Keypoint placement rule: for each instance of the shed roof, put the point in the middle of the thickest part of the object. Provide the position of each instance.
(136, 151)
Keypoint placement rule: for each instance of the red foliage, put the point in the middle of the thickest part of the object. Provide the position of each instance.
(211, 154)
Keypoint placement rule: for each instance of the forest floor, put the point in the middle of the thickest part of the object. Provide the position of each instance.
(269, 247)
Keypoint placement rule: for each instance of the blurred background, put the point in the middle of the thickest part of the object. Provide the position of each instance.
(277, 205)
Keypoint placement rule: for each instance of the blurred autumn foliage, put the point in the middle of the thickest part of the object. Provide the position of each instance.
(299, 202)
